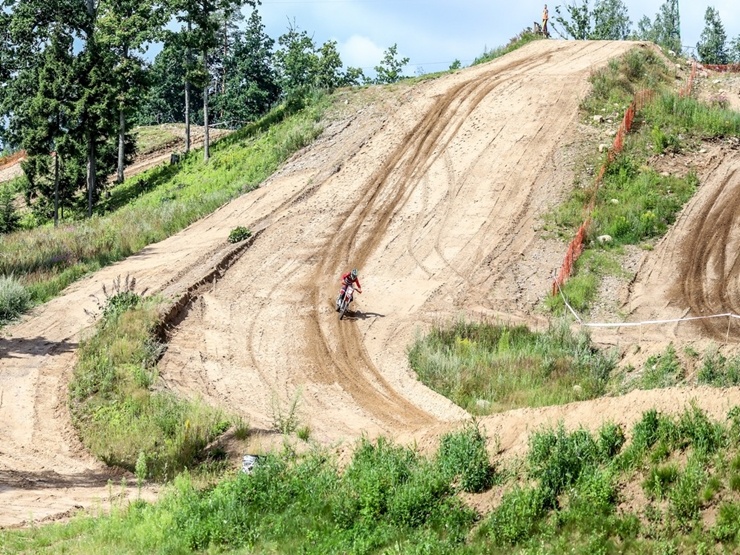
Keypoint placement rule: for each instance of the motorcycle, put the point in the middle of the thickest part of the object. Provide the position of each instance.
(344, 300)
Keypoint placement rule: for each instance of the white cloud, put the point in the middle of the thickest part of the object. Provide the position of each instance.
(359, 51)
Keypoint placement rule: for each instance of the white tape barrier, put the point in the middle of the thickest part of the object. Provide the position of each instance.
(645, 323)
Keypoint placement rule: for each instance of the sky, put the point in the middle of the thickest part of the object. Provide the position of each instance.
(435, 33)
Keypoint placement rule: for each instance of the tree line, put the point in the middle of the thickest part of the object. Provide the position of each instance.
(609, 20)
(74, 82)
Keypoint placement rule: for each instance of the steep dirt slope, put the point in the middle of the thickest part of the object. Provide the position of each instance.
(436, 201)
(434, 191)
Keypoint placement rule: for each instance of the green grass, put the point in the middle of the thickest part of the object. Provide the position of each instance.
(583, 287)
(490, 367)
(121, 419)
(156, 204)
(522, 39)
(614, 86)
(566, 494)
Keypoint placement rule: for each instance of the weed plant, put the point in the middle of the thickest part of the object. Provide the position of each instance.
(14, 298)
(718, 370)
(489, 367)
(119, 417)
(156, 204)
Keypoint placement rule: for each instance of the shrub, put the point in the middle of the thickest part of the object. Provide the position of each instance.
(558, 458)
(239, 233)
(463, 455)
(659, 480)
(727, 527)
(121, 297)
(684, 496)
(518, 516)
(14, 298)
(9, 218)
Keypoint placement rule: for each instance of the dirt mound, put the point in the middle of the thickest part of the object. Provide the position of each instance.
(435, 191)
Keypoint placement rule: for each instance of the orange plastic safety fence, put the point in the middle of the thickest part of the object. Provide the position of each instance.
(686, 91)
(576, 246)
(727, 68)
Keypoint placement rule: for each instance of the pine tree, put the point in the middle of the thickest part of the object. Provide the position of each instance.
(163, 101)
(712, 45)
(126, 27)
(251, 83)
(734, 50)
(40, 94)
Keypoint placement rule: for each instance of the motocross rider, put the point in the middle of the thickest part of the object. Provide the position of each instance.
(349, 277)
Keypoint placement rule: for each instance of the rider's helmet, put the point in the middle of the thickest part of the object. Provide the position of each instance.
(353, 273)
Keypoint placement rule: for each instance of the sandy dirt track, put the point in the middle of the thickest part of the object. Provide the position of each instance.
(434, 192)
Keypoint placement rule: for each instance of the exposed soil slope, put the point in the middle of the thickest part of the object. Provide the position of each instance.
(434, 191)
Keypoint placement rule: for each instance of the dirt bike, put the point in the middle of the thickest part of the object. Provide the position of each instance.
(344, 300)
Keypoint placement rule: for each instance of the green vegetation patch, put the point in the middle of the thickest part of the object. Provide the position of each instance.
(570, 493)
(14, 298)
(150, 138)
(522, 39)
(488, 368)
(120, 418)
(615, 85)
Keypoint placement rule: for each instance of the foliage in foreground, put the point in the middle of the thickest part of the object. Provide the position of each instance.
(489, 367)
(572, 492)
(119, 417)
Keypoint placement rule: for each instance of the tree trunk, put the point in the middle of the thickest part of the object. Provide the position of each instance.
(56, 188)
(187, 95)
(91, 169)
(121, 144)
(206, 141)
(187, 116)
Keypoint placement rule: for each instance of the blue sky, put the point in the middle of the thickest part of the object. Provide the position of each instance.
(434, 33)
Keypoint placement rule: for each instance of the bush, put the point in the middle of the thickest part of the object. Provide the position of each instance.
(518, 516)
(239, 233)
(557, 459)
(463, 455)
(14, 298)
(727, 527)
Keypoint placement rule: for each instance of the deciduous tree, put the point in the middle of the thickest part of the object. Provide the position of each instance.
(391, 66)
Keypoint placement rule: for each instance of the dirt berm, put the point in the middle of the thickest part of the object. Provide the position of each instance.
(434, 191)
